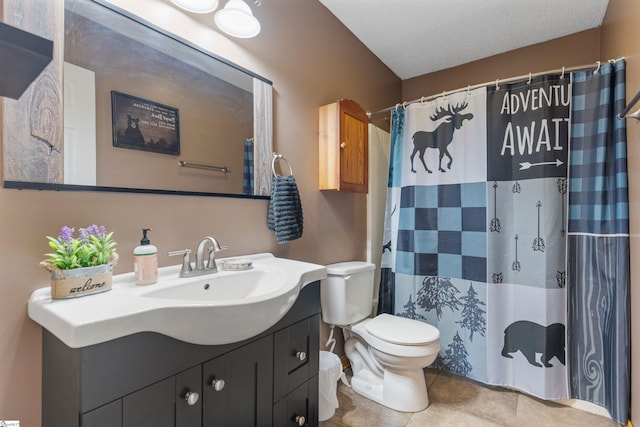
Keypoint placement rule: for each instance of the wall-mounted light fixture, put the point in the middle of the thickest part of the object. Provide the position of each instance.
(235, 19)
(197, 6)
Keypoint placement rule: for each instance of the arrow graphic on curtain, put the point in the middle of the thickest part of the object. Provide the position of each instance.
(527, 165)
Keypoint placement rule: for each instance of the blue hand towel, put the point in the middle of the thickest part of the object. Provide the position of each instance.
(247, 173)
(285, 209)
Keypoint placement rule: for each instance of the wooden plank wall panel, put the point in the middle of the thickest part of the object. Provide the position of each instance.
(32, 126)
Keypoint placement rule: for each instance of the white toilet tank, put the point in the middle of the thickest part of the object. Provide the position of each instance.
(346, 295)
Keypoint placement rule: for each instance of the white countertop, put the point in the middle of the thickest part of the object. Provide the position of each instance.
(127, 309)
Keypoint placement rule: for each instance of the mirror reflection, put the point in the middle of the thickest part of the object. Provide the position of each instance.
(148, 111)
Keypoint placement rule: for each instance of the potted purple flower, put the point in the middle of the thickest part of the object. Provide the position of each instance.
(80, 265)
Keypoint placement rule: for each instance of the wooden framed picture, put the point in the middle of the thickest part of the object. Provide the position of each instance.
(146, 125)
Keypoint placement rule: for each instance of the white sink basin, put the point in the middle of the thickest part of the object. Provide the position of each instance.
(218, 308)
(225, 287)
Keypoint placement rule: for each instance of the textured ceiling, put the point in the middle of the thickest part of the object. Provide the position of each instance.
(415, 37)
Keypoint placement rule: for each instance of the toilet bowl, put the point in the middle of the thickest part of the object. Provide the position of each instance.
(387, 353)
(399, 382)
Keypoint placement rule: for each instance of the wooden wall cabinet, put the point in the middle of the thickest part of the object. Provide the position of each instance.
(145, 379)
(343, 147)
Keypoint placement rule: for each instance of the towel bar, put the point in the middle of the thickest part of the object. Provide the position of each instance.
(280, 157)
(185, 164)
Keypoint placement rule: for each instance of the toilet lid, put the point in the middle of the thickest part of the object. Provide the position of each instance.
(400, 330)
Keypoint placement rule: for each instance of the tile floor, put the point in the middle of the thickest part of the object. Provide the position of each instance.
(457, 402)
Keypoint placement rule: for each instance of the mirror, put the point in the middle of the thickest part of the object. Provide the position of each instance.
(146, 111)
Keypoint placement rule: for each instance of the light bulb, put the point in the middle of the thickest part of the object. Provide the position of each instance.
(237, 20)
(197, 6)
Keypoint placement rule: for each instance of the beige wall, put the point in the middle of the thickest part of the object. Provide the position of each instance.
(312, 60)
(620, 36)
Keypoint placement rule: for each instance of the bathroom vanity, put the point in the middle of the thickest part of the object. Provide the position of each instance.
(234, 348)
(148, 379)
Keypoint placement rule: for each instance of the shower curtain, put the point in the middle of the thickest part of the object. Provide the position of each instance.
(476, 230)
(376, 198)
(598, 253)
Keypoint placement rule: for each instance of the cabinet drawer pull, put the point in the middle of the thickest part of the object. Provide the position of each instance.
(301, 355)
(217, 384)
(300, 420)
(191, 397)
(343, 145)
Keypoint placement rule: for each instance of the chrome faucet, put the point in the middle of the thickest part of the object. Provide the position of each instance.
(200, 266)
(211, 261)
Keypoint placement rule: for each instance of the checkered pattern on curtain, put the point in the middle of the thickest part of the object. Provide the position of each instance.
(247, 174)
(598, 344)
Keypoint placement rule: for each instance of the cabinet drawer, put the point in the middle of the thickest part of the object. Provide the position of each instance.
(295, 356)
(301, 402)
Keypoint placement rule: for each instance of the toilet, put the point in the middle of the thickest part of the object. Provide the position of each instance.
(387, 353)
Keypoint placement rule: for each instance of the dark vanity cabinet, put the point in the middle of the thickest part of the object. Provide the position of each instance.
(148, 379)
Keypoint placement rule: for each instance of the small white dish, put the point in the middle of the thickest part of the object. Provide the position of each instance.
(236, 264)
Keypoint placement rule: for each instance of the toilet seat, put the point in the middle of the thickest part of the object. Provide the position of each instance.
(423, 344)
(402, 331)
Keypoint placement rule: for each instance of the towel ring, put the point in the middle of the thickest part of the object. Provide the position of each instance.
(280, 157)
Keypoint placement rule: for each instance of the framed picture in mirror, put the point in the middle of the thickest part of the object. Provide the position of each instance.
(141, 124)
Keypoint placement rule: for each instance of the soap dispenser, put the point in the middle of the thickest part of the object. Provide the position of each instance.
(145, 261)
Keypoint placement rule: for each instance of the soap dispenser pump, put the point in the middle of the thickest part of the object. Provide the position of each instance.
(145, 261)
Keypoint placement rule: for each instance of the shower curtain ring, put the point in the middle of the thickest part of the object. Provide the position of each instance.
(497, 85)
(529, 82)
(597, 69)
(422, 99)
(404, 105)
(562, 75)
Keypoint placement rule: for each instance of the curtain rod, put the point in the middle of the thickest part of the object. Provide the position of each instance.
(497, 82)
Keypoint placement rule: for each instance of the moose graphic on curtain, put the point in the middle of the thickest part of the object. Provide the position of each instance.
(441, 137)
(476, 234)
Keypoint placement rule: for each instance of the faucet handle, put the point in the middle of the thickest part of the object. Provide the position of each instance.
(215, 245)
(211, 261)
(186, 263)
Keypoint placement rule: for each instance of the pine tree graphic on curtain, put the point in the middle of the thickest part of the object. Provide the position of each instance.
(438, 293)
(456, 357)
(473, 316)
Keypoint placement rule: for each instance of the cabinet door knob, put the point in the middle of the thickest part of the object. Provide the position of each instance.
(343, 145)
(301, 355)
(217, 384)
(191, 397)
(300, 420)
